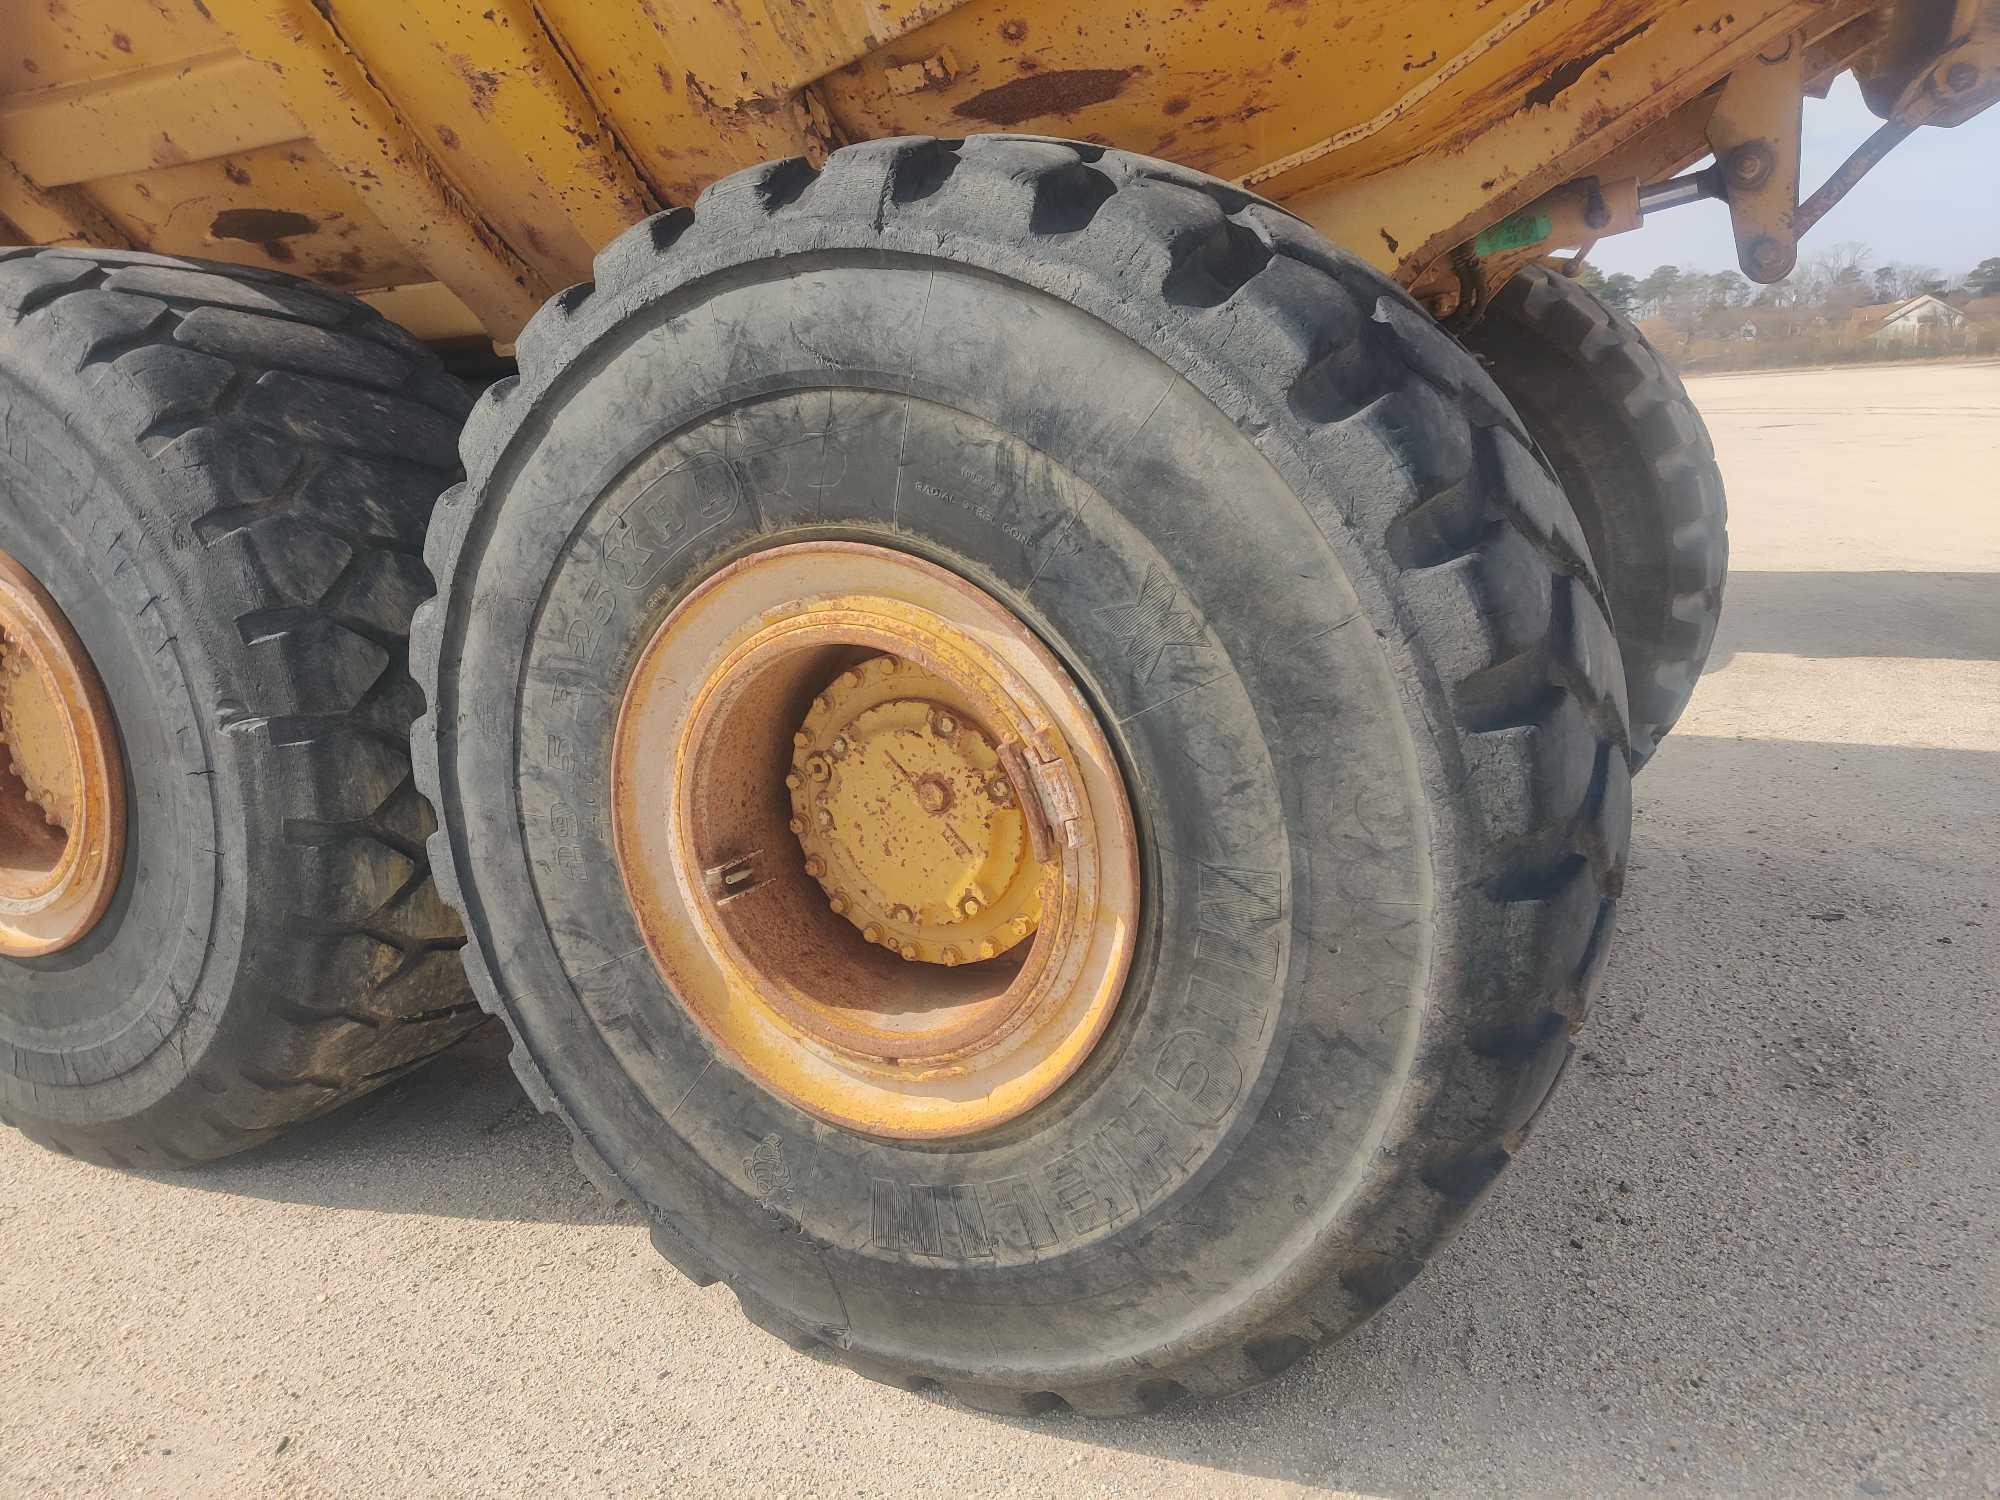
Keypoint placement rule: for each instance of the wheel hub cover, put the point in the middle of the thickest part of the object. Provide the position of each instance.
(908, 820)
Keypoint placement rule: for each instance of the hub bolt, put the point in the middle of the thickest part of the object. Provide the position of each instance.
(945, 725)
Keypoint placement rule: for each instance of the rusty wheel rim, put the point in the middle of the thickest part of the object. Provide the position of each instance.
(62, 781)
(875, 839)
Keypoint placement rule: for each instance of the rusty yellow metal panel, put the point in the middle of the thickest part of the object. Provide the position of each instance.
(462, 160)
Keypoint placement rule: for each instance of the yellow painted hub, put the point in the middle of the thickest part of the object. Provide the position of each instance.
(875, 839)
(907, 818)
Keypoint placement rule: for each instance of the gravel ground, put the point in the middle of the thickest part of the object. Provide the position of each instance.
(1753, 1246)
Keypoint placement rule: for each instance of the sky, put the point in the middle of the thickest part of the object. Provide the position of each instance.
(1932, 202)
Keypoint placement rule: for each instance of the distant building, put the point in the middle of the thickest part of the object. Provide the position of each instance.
(1920, 317)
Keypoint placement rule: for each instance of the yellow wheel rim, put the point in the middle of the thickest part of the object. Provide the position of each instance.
(62, 781)
(875, 839)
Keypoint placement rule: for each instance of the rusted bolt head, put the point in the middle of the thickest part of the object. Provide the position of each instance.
(1771, 259)
(792, 780)
(836, 903)
(945, 724)
(801, 739)
(909, 952)
(840, 746)
(815, 866)
(818, 767)
(825, 818)
(951, 957)
(797, 825)
(970, 906)
(1752, 164)
(1001, 790)
(1961, 77)
(871, 933)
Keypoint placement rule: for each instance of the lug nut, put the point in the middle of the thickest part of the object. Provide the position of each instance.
(815, 866)
(945, 724)
(837, 904)
(970, 906)
(801, 739)
(951, 957)
(871, 933)
(1001, 790)
(792, 780)
(797, 825)
(840, 746)
(818, 767)
(825, 818)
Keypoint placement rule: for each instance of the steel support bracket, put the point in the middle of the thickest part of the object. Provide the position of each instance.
(1754, 133)
(1965, 77)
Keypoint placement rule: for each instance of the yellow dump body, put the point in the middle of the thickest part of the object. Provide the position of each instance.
(458, 161)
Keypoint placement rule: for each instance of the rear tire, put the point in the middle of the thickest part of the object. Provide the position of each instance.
(1336, 621)
(222, 477)
(1634, 457)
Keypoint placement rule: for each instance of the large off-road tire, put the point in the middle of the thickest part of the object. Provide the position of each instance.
(1335, 618)
(1634, 458)
(222, 477)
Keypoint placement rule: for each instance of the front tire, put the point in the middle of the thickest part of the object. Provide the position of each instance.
(1337, 623)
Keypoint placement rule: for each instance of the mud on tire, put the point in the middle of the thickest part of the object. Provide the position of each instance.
(1337, 619)
(223, 477)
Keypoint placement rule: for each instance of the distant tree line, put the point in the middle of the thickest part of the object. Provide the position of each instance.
(1720, 319)
(1837, 279)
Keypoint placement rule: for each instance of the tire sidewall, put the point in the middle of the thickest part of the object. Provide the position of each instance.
(106, 1027)
(1219, 1134)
